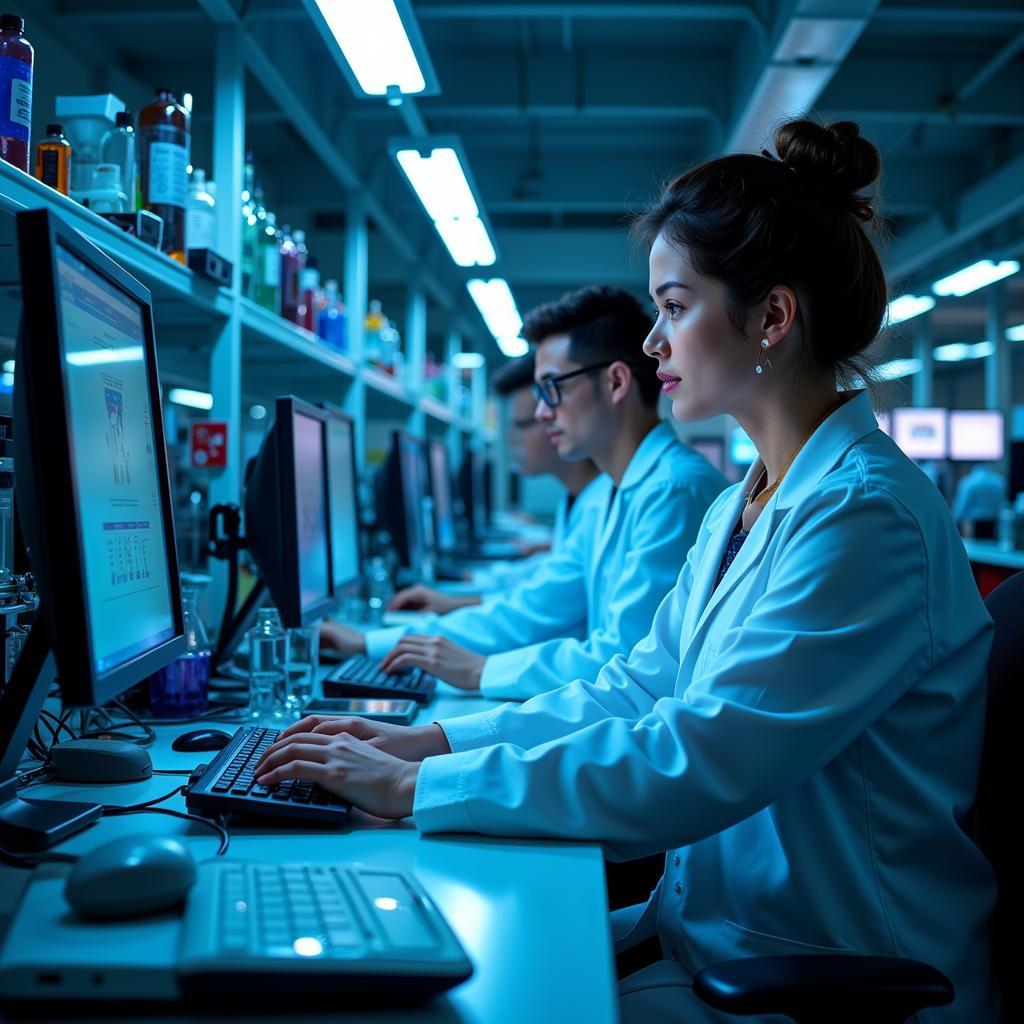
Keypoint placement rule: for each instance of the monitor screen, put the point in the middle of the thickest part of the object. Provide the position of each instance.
(441, 488)
(741, 449)
(311, 511)
(341, 480)
(976, 435)
(712, 448)
(117, 477)
(921, 433)
(412, 466)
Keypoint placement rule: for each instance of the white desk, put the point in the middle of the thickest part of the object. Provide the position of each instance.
(532, 915)
(988, 552)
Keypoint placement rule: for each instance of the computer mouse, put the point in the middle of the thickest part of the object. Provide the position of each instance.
(201, 739)
(130, 877)
(100, 761)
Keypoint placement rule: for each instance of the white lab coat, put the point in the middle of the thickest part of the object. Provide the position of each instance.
(503, 575)
(596, 597)
(804, 741)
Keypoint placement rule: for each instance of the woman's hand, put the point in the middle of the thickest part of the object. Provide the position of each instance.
(342, 638)
(438, 656)
(410, 743)
(351, 768)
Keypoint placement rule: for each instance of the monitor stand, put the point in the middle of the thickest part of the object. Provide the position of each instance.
(27, 824)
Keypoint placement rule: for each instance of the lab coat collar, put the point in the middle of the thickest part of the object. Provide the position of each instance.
(849, 423)
(646, 457)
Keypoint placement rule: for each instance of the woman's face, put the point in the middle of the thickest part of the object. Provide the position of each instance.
(705, 364)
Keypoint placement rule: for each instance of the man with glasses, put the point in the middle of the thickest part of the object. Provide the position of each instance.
(532, 455)
(597, 398)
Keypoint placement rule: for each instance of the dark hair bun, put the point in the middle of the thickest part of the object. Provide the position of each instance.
(834, 159)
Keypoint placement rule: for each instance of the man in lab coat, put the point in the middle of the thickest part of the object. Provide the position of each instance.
(597, 398)
(533, 455)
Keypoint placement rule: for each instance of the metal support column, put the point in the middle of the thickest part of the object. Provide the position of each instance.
(356, 287)
(924, 380)
(998, 367)
(416, 349)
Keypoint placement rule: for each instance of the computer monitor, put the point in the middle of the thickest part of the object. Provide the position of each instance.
(712, 448)
(286, 513)
(741, 449)
(976, 435)
(402, 487)
(93, 497)
(921, 432)
(471, 493)
(343, 505)
(441, 490)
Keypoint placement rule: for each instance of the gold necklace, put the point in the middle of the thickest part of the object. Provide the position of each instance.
(762, 496)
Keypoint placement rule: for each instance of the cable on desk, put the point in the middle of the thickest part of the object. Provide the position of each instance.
(31, 860)
(219, 826)
(112, 810)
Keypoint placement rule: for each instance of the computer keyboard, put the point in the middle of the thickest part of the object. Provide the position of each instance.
(314, 930)
(227, 785)
(360, 676)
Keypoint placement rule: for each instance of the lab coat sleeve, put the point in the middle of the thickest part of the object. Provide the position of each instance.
(657, 548)
(552, 602)
(626, 688)
(842, 630)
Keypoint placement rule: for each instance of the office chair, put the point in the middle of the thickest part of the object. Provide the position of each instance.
(888, 990)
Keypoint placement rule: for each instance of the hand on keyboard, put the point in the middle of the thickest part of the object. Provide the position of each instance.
(426, 599)
(410, 743)
(438, 656)
(352, 768)
(341, 638)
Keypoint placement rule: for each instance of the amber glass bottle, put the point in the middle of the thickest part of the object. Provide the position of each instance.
(164, 137)
(53, 159)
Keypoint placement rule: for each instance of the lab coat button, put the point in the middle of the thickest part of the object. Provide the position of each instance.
(679, 888)
(675, 860)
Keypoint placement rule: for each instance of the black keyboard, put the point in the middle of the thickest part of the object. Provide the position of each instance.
(360, 676)
(227, 785)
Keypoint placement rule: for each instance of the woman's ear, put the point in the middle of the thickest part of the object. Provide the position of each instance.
(780, 312)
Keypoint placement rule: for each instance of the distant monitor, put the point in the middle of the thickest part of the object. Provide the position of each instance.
(93, 497)
(976, 435)
(343, 505)
(402, 486)
(712, 448)
(741, 449)
(441, 490)
(286, 525)
(471, 493)
(921, 433)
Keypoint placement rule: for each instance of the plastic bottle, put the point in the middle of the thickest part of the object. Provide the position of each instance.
(119, 148)
(53, 159)
(250, 227)
(309, 294)
(164, 138)
(180, 690)
(289, 308)
(267, 292)
(200, 218)
(268, 668)
(16, 55)
(330, 326)
(371, 331)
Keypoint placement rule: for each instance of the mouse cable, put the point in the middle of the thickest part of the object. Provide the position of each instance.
(108, 728)
(32, 860)
(112, 810)
(173, 771)
(219, 826)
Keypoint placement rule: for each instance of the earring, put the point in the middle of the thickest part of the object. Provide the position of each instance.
(759, 369)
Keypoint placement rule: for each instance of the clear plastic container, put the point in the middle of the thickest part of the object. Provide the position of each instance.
(379, 590)
(200, 218)
(268, 668)
(119, 148)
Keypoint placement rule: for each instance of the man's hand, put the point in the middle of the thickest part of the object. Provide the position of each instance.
(438, 656)
(342, 638)
(410, 743)
(352, 768)
(425, 599)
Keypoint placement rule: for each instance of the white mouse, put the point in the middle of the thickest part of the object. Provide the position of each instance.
(130, 877)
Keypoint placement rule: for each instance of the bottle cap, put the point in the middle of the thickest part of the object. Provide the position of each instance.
(162, 90)
(12, 23)
(124, 119)
(55, 129)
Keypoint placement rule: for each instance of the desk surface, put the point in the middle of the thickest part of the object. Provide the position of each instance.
(532, 915)
(988, 552)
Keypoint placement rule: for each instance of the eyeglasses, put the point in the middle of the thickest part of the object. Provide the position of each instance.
(548, 391)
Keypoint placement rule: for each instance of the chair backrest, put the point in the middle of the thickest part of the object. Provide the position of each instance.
(995, 825)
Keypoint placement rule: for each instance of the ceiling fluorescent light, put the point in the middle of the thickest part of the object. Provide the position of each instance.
(1015, 333)
(440, 182)
(906, 307)
(193, 399)
(960, 350)
(378, 43)
(494, 300)
(897, 368)
(467, 241)
(977, 275)
(467, 360)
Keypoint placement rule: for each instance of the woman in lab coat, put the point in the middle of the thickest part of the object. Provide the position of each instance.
(802, 727)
